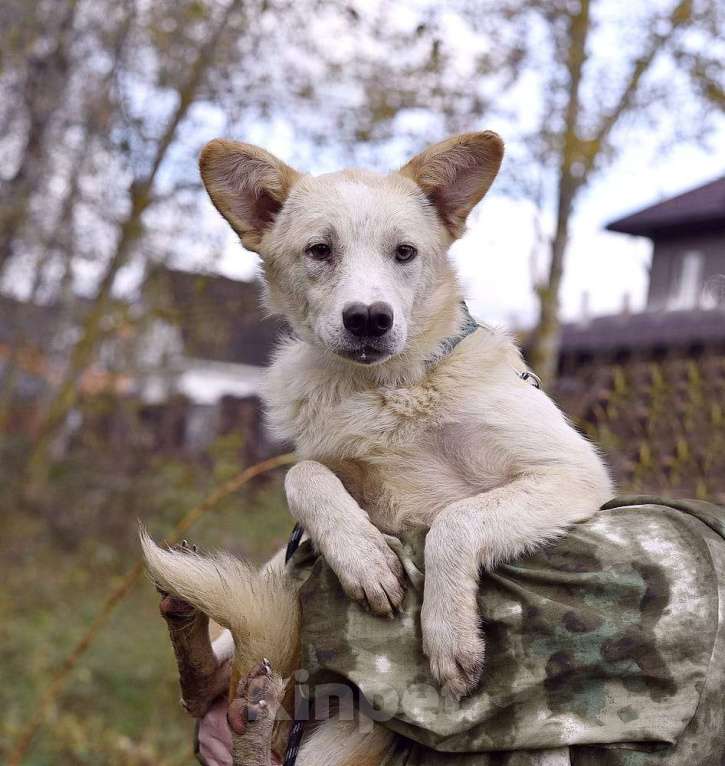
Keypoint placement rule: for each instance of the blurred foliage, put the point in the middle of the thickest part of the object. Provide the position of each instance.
(121, 703)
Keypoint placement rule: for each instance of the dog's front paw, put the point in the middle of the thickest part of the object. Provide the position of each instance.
(370, 573)
(455, 649)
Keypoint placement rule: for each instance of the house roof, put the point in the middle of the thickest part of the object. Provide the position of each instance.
(220, 319)
(34, 336)
(697, 209)
(40, 326)
(645, 331)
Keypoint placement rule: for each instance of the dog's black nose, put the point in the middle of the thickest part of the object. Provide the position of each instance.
(381, 318)
(367, 321)
(355, 319)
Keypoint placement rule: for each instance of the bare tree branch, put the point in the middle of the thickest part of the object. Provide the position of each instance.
(680, 16)
(47, 77)
(578, 158)
(140, 194)
(543, 351)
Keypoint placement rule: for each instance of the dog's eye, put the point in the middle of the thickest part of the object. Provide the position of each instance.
(319, 251)
(405, 253)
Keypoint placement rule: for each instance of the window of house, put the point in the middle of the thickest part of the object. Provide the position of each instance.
(713, 293)
(686, 287)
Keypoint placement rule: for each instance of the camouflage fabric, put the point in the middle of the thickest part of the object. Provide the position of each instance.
(607, 647)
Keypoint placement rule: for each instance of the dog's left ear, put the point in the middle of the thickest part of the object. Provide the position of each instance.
(455, 174)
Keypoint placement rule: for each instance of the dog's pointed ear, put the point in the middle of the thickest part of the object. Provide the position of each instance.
(247, 185)
(455, 174)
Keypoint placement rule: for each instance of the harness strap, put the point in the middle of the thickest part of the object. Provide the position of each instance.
(470, 326)
(294, 542)
(295, 735)
(293, 743)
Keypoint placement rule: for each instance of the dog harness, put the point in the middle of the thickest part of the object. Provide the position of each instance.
(470, 326)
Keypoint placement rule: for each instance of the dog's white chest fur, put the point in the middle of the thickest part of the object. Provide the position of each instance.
(403, 452)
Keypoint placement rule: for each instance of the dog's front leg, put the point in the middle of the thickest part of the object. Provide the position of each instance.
(480, 532)
(450, 618)
(368, 570)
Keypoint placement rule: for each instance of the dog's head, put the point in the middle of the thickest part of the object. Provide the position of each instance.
(355, 260)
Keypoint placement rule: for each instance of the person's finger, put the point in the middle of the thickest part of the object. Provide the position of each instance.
(213, 745)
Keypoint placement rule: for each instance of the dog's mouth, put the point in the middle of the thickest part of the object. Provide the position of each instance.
(364, 354)
(365, 350)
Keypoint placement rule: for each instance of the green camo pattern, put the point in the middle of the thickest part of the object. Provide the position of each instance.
(608, 647)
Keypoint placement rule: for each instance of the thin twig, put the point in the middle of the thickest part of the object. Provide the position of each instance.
(121, 591)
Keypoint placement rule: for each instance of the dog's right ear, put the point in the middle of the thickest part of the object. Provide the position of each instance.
(456, 173)
(247, 185)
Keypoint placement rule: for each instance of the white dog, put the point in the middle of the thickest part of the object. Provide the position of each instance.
(403, 413)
